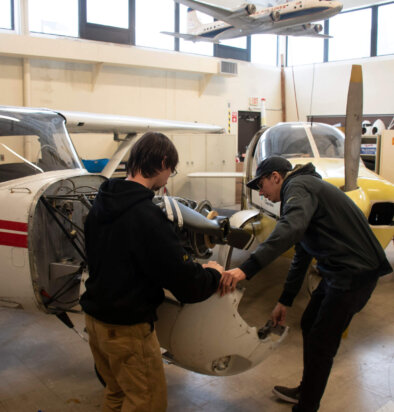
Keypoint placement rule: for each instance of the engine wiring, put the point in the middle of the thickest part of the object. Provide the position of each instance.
(67, 286)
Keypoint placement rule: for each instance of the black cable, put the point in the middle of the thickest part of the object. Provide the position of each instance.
(70, 238)
(60, 290)
(68, 220)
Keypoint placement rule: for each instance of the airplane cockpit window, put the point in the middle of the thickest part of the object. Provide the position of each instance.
(287, 140)
(33, 142)
(329, 140)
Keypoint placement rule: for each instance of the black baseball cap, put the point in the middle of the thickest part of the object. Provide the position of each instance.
(266, 167)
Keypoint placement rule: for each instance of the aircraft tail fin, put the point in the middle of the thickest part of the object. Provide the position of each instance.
(193, 22)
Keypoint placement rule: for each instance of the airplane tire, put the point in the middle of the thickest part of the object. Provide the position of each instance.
(99, 377)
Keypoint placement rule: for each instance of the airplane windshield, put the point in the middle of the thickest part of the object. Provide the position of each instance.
(291, 140)
(287, 140)
(32, 142)
(329, 140)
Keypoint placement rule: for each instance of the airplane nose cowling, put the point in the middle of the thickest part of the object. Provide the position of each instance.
(221, 345)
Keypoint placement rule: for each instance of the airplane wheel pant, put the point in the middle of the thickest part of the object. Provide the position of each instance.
(326, 317)
(129, 360)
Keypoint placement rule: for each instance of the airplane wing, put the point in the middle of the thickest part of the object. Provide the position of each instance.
(216, 174)
(306, 30)
(190, 37)
(231, 16)
(316, 35)
(80, 122)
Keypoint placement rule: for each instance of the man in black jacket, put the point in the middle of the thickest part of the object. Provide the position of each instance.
(323, 223)
(133, 253)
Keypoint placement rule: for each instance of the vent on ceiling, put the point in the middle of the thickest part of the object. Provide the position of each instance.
(228, 68)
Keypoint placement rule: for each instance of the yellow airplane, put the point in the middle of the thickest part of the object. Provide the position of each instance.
(337, 160)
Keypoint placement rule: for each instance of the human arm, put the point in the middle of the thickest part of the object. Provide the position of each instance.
(229, 280)
(170, 265)
(295, 277)
(278, 315)
(214, 265)
(298, 208)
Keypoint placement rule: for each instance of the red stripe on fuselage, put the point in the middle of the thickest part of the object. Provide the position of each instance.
(13, 239)
(10, 225)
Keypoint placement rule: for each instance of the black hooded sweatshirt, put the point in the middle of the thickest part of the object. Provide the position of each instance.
(323, 223)
(133, 253)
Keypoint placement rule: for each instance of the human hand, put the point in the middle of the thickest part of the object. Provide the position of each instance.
(278, 315)
(214, 265)
(229, 280)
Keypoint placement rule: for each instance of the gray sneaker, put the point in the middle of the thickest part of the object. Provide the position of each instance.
(291, 395)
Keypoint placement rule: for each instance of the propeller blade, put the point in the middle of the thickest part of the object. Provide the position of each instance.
(353, 127)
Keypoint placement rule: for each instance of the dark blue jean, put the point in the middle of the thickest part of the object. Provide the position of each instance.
(326, 317)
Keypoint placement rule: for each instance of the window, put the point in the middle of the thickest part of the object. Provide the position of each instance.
(54, 17)
(265, 49)
(110, 21)
(239, 42)
(238, 48)
(33, 142)
(385, 29)
(155, 16)
(201, 47)
(6, 14)
(108, 13)
(351, 33)
(306, 50)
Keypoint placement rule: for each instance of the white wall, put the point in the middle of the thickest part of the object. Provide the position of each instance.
(99, 77)
(130, 80)
(107, 78)
(330, 87)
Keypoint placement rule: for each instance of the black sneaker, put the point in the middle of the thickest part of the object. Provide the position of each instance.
(291, 395)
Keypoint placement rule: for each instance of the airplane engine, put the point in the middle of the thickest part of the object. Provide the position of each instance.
(275, 16)
(200, 228)
(56, 243)
(250, 9)
(244, 11)
(318, 28)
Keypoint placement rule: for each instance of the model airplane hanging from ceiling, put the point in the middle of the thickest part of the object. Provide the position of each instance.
(291, 18)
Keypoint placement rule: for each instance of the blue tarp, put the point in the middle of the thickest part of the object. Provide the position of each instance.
(94, 165)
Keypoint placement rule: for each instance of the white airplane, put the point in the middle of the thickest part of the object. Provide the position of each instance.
(292, 18)
(45, 195)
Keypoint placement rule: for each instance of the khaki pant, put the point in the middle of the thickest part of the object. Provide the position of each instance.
(129, 360)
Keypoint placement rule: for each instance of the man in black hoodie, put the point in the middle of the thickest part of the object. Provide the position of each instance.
(323, 223)
(133, 253)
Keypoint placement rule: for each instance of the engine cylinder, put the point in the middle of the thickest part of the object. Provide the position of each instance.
(275, 15)
(318, 28)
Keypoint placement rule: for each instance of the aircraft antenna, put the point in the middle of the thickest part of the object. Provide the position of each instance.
(313, 85)
(295, 94)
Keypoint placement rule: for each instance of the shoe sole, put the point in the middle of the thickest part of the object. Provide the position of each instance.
(284, 397)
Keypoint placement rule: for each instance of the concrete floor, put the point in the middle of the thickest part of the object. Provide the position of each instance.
(46, 367)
